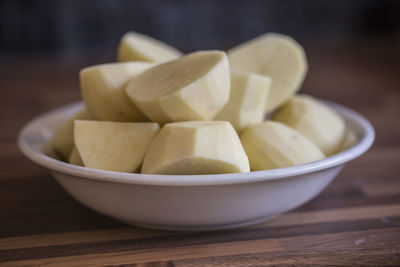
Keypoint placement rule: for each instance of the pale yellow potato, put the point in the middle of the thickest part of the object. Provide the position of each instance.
(103, 90)
(63, 140)
(196, 147)
(75, 158)
(247, 100)
(349, 140)
(138, 47)
(113, 146)
(271, 145)
(315, 120)
(193, 87)
(277, 56)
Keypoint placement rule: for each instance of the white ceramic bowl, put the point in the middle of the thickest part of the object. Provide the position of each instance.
(190, 202)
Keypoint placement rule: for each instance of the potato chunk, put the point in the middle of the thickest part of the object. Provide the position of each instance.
(75, 158)
(196, 147)
(247, 100)
(271, 145)
(103, 90)
(277, 56)
(349, 140)
(138, 47)
(193, 87)
(113, 146)
(316, 121)
(63, 140)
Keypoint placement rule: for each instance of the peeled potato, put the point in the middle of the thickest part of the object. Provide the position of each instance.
(103, 90)
(138, 47)
(63, 140)
(75, 158)
(316, 121)
(349, 140)
(113, 146)
(277, 56)
(271, 145)
(247, 100)
(196, 147)
(193, 87)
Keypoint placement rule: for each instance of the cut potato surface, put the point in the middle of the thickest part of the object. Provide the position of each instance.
(277, 56)
(350, 139)
(203, 100)
(271, 145)
(75, 158)
(247, 100)
(63, 140)
(113, 146)
(315, 120)
(138, 47)
(193, 87)
(103, 90)
(196, 147)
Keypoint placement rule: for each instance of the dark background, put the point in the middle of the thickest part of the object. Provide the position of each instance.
(72, 29)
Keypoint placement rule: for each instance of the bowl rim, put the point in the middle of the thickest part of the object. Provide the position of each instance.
(29, 131)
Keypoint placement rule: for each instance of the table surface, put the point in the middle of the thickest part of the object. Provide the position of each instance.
(356, 220)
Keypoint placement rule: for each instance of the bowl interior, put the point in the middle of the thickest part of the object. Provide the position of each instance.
(34, 142)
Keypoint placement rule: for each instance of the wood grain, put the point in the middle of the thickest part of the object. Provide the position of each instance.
(355, 221)
(294, 218)
(139, 256)
(374, 257)
(382, 189)
(80, 237)
(335, 215)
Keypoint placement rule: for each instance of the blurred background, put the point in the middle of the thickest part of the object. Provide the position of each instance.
(72, 29)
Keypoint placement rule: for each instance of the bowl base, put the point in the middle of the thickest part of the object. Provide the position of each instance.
(195, 228)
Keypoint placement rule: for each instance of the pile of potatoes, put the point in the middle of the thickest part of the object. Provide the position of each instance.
(161, 112)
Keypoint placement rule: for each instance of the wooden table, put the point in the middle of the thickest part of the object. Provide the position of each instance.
(356, 220)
